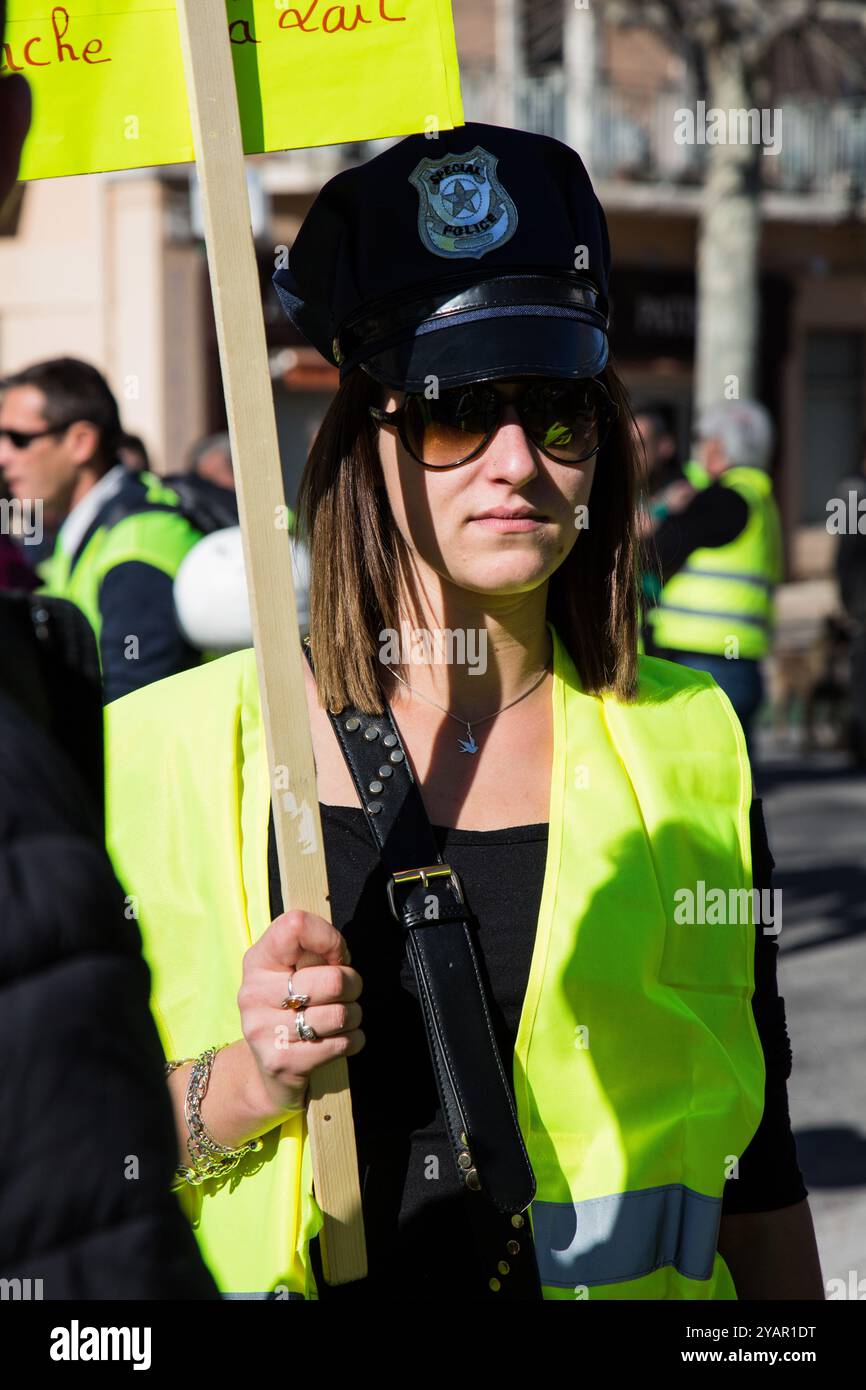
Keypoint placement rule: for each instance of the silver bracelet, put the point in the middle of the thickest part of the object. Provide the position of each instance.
(173, 1066)
(211, 1160)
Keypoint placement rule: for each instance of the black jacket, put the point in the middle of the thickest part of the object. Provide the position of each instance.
(88, 1145)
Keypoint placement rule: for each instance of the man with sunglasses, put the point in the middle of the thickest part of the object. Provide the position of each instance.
(121, 535)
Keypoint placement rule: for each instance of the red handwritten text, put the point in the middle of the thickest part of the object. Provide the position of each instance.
(55, 50)
(334, 17)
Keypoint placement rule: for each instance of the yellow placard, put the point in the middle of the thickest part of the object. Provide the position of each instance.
(108, 88)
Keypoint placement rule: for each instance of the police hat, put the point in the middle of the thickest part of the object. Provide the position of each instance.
(482, 253)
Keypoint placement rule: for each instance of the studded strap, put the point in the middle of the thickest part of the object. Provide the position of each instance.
(426, 897)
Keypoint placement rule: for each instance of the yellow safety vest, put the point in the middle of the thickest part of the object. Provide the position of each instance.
(696, 474)
(638, 1070)
(154, 533)
(726, 592)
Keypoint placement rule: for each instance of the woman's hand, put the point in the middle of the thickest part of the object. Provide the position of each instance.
(309, 950)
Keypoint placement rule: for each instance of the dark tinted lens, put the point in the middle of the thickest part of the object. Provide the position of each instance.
(565, 418)
(450, 428)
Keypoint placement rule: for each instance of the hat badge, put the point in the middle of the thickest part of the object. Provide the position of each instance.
(463, 208)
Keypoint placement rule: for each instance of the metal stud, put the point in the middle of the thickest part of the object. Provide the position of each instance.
(517, 1221)
(352, 724)
(386, 771)
(504, 1267)
(464, 1159)
(463, 1139)
(389, 740)
(495, 1285)
(371, 733)
(397, 756)
(472, 1180)
(374, 807)
(376, 787)
(513, 1247)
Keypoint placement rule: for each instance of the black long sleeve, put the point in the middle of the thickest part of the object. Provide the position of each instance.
(140, 641)
(769, 1175)
(714, 517)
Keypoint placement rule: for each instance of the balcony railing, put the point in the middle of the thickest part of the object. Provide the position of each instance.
(631, 137)
(822, 144)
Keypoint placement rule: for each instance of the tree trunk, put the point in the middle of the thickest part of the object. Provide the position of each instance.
(728, 246)
(509, 60)
(579, 61)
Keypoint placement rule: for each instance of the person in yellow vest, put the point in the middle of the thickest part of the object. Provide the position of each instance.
(469, 502)
(121, 534)
(719, 559)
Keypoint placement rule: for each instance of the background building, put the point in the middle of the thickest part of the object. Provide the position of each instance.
(128, 281)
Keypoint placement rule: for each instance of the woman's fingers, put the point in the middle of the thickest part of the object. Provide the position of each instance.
(325, 984)
(296, 934)
(329, 1020)
(305, 1057)
(306, 949)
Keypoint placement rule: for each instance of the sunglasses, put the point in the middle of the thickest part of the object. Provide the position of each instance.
(567, 420)
(22, 439)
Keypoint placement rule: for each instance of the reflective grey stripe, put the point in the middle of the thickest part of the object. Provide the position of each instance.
(725, 574)
(710, 613)
(607, 1240)
(281, 1298)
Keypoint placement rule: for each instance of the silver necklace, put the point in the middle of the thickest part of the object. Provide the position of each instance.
(468, 745)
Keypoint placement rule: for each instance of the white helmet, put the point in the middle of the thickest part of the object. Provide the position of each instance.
(211, 599)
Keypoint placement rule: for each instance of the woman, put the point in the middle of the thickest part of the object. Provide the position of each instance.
(576, 791)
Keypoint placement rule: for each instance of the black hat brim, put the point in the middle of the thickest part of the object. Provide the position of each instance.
(492, 349)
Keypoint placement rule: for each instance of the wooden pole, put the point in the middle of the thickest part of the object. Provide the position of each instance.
(213, 109)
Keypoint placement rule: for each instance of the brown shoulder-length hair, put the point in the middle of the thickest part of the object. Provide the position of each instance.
(357, 556)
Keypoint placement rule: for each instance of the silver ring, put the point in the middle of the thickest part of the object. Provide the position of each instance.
(294, 1001)
(304, 1030)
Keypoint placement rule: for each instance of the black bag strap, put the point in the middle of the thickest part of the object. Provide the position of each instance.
(503, 1242)
(426, 897)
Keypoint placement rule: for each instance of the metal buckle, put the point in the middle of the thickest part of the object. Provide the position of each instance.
(424, 874)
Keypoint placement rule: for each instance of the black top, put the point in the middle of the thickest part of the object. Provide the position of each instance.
(419, 1243)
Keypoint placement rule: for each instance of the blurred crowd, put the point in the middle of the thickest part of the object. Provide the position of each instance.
(155, 563)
